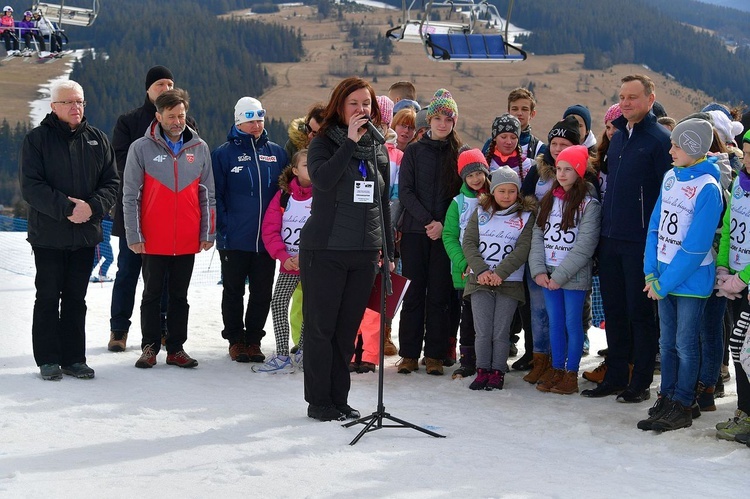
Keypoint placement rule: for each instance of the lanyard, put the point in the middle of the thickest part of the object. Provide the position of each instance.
(362, 169)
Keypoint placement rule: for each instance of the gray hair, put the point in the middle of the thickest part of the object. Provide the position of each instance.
(65, 85)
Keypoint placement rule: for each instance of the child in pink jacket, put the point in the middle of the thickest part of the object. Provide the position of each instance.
(282, 223)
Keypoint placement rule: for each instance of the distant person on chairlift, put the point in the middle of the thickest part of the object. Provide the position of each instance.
(47, 29)
(7, 31)
(28, 33)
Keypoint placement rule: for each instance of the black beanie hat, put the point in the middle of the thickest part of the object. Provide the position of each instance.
(567, 129)
(157, 73)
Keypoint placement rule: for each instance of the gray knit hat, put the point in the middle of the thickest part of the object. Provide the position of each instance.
(421, 120)
(694, 136)
(504, 175)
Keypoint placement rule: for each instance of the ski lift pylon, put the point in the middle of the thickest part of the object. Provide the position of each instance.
(65, 13)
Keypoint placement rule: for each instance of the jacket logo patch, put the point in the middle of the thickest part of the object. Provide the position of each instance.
(236, 169)
(160, 158)
(271, 159)
(93, 142)
(190, 157)
(244, 157)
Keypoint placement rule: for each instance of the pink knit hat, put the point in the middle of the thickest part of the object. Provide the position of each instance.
(612, 113)
(386, 109)
(575, 156)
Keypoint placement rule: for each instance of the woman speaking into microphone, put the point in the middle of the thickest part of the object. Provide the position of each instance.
(341, 242)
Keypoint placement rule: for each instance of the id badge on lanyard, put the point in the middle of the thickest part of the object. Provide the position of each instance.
(364, 190)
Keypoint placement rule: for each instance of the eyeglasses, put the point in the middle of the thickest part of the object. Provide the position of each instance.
(309, 129)
(77, 103)
(250, 114)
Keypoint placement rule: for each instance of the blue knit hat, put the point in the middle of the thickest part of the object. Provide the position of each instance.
(717, 107)
(404, 103)
(582, 111)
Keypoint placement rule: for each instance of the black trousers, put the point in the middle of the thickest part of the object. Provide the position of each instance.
(155, 269)
(425, 312)
(258, 269)
(632, 330)
(58, 330)
(740, 328)
(336, 286)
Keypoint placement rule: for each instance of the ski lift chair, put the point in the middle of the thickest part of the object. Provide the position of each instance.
(68, 14)
(413, 30)
(471, 46)
(474, 47)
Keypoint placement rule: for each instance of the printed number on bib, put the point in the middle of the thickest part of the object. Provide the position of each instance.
(567, 236)
(291, 237)
(490, 252)
(671, 220)
(739, 228)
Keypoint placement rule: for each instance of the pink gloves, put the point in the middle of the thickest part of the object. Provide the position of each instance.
(729, 286)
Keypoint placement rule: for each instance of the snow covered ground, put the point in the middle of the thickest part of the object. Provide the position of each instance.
(221, 430)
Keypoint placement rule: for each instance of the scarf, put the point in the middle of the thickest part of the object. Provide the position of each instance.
(744, 180)
(338, 134)
(560, 193)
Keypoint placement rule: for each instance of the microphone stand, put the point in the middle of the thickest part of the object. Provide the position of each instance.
(375, 420)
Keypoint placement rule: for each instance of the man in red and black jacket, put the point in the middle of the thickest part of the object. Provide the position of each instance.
(170, 215)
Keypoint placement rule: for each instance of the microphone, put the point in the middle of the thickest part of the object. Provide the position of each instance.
(376, 134)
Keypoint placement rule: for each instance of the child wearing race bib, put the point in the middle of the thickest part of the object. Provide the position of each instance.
(732, 275)
(505, 149)
(679, 268)
(496, 245)
(282, 223)
(566, 234)
(474, 171)
(537, 183)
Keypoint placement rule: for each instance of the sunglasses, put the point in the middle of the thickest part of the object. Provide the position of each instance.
(308, 129)
(251, 114)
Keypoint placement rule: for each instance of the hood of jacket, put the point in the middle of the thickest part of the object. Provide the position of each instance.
(297, 135)
(246, 139)
(154, 132)
(545, 166)
(297, 191)
(706, 166)
(62, 128)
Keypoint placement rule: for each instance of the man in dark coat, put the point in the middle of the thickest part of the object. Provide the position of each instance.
(638, 159)
(68, 176)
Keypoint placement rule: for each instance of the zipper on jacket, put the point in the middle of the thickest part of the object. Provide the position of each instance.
(643, 217)
(176, 204)
(260, 194)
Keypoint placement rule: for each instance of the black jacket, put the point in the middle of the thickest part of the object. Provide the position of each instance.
(421, 190)
(56, 163)
(336, 222)
(130, 127)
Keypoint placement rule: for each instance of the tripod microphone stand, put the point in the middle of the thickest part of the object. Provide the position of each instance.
(375, 420)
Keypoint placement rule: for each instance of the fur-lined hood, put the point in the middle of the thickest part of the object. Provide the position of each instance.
(297, 136)
(544, 169)
(524, 203)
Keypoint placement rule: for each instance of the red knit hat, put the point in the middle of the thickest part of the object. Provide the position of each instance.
(575, 156)
(470, 161)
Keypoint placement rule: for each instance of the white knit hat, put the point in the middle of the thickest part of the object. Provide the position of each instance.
(726, 128)
(248, 109)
